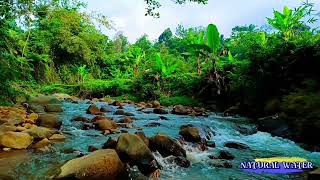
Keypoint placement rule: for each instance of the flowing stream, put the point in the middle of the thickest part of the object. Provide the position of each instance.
(30, 164)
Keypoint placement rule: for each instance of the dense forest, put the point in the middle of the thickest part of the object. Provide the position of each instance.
(52, 46)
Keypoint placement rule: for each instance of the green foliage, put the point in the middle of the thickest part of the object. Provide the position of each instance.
(175, 100)
(213, 38)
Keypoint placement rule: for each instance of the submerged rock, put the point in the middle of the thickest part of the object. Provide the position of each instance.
(126, 120)
(106, 109)
(15, 140)
(133, 150)
(80, 119)
(119, 112)
(101, 164)
(166, 146)
(182, 162)
(225, 155)
(190, 133)
(153, 124)
(49, 121)
(159, 111)
(236, 145)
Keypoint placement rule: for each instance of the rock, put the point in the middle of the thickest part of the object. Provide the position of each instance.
(93, 109)
(236, 145)
(153, 124)
(80, 119)
(87, 126)
(6, 128)
(57, 137)
(44, 100)
(61, 96)
(119, 112)
(156, 104)
(92, 149)
(182, 162)
(163, 118)
(105, 124)
(314, 175)
(42, 144)
(232, 110)
(12, 115)
(53, 108)
(15, 140)
(148, 105)
(106, 132)
(211, 144)
(159, 111)
(190, 134)
(274, 125)
(224, 165)
(225, 155)
(20, 129)
(126, 120)
(40, 132)
(246, 130)
(49, 121)
(110, 144)
(101, 164)
(166, 146)
(128, 114)
(106, 109)
(143, 137)
(96, 118)
(120, 107)
(32, 118)
(180, 110)
(115, 131)
(36, 108)
(116, 103)
(133, 150)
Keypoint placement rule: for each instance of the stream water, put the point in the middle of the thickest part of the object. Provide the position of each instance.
(44, 165)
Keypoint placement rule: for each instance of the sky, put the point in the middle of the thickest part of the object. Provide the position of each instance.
(128, 16)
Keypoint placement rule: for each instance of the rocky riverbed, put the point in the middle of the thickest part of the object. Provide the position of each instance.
(63, 137)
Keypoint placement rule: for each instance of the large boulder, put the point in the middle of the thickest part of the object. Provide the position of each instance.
(190, 133)
(15, 140)
(44, 100)
(40, 132)
(166, 146)
(101, 164)
(53, 108)
(37, 108)
(144, 138)
(156, 104)
(105, 124)
(93, 109)
(12, 115)
(49, 121)
(133, 150)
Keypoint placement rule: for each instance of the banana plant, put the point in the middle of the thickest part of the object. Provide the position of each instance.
(204, 45)
(162, 69)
